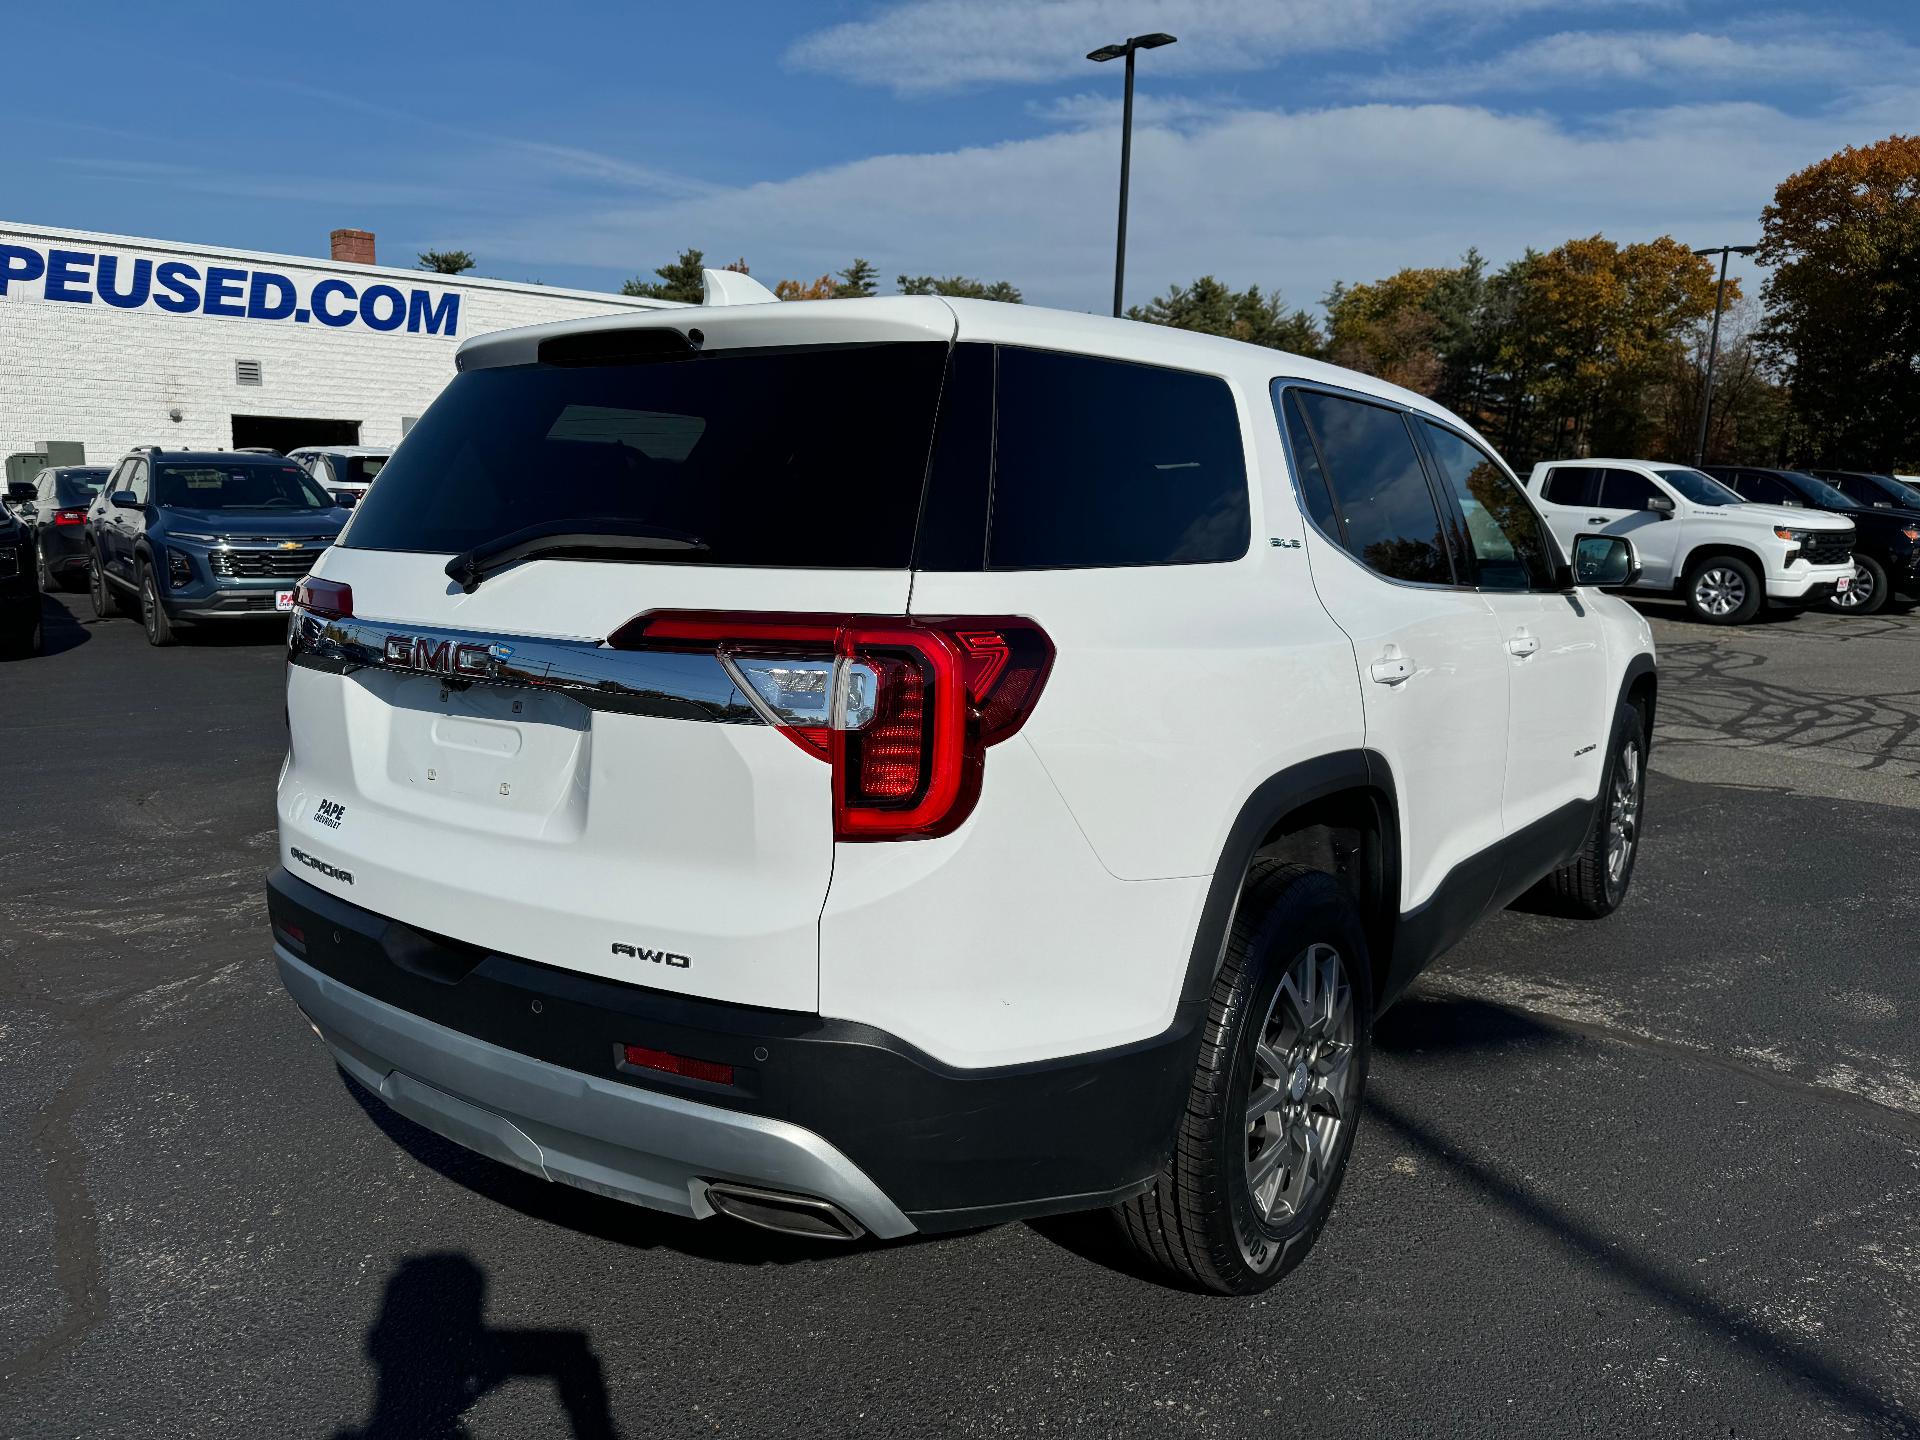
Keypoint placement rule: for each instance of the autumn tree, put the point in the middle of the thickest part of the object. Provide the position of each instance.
(821, 289)
(679, 280)
(1388, 328)
(1213, 308)
(1843, 240)
(447, 262)
(961, 287)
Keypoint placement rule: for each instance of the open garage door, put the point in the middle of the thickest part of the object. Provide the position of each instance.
(289, 432)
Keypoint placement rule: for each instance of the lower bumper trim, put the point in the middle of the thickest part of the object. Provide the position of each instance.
(641, 1146)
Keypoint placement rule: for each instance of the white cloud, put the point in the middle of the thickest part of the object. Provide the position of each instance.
(1297, 199)
(934, 45)
(1643, 57)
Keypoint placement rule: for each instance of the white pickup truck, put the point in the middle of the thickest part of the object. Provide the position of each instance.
(1696, 538)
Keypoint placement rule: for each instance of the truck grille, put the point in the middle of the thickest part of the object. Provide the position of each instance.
(262, 564)
(1829, 547)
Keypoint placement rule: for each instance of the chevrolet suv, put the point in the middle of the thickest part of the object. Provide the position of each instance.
(192, 536)
(1020, 798)
(1696, 538)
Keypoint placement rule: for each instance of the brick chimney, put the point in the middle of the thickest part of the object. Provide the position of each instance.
(354, 247)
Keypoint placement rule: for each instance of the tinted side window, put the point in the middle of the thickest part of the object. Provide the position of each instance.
(1388, 517)
(137, 480)
(1570, 485)
(1314, 491)
(1510, 548)
(1101, 462)
(1764, 489)
(1626, 490)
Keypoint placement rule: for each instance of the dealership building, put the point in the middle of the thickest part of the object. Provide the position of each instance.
(107, 341)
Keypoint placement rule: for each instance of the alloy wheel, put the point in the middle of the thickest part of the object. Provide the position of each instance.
(1301, 1094)
(1623, 810)
(1858, 593)
(1719, 591)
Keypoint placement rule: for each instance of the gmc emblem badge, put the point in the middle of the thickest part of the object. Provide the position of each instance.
(437, 657)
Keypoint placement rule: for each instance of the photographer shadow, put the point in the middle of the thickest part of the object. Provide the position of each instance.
(437, 1357)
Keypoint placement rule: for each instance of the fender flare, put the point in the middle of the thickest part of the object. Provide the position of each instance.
(1274, 798)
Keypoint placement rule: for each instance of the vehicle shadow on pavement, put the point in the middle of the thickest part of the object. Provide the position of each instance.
(1438, 1026)
(59, 631)
(600, 1216)
(436, 1357)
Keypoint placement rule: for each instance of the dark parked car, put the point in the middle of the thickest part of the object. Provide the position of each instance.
(1881, 492)
(54, 506)
(1886, 555)
(204, 536)
(19, 589)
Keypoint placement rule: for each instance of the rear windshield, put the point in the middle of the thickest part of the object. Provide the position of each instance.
(358, 469)
(238, 485)
(75, 487)
(790, 458)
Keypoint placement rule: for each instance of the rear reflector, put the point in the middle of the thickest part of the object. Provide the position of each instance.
(667, 1063)
(328, 599)
(902, 708)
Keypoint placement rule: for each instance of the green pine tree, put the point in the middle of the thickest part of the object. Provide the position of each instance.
(679, 280)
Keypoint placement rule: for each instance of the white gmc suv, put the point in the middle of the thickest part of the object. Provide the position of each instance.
(896, 765)
(1696, 538)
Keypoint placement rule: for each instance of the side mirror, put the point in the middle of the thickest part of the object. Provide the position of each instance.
(18, 490)
(1661, 505)
(124, 499)
(1606, 562)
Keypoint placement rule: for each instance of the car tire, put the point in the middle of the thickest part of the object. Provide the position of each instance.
(1593, 884)
(1723, 590)
(153, 615)
(1219, 1217)
(106, 603)
(47, 583)
(1869, 593)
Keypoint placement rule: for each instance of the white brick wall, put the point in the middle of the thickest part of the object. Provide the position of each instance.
(108, 376)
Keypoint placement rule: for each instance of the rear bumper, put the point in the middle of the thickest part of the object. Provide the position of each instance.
(519, 1061)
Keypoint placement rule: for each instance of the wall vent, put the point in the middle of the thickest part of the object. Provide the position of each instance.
(246, 372)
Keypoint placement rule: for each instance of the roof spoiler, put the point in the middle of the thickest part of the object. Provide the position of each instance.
(733, 287)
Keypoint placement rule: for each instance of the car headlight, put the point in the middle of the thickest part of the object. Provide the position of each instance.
(189, 535)
(179, 572)
(1798, 537)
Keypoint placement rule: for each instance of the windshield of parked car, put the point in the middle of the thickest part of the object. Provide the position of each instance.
(1819, 492)
(238, 485)
(1700, 489)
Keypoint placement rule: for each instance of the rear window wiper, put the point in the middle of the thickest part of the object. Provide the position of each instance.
(582, 538)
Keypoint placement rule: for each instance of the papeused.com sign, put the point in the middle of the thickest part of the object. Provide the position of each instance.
(86, 277)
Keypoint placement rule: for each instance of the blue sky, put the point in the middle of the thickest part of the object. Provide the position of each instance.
(1281, 142)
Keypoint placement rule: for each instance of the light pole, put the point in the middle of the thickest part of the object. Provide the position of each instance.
(1104, 54)
(1713, 344)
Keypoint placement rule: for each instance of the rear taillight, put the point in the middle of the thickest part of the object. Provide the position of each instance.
(69, 517)
(327, 599)
(903, 709)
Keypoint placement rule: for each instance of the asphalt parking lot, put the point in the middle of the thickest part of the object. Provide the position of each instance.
(1655, 1175)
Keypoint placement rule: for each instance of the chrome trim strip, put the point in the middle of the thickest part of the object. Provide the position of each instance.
(625, 682)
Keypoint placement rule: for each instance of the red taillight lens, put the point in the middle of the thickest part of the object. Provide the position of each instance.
(714, 1072)
(69, 517)
(903, 709)
(328, 599)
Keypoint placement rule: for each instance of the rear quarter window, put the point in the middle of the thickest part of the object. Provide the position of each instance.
(1108, 463)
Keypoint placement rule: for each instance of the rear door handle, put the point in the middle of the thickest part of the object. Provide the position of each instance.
(1394, 670)
(1522, 644)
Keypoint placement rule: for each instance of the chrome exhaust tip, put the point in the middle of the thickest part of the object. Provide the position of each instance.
(788, 1214)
